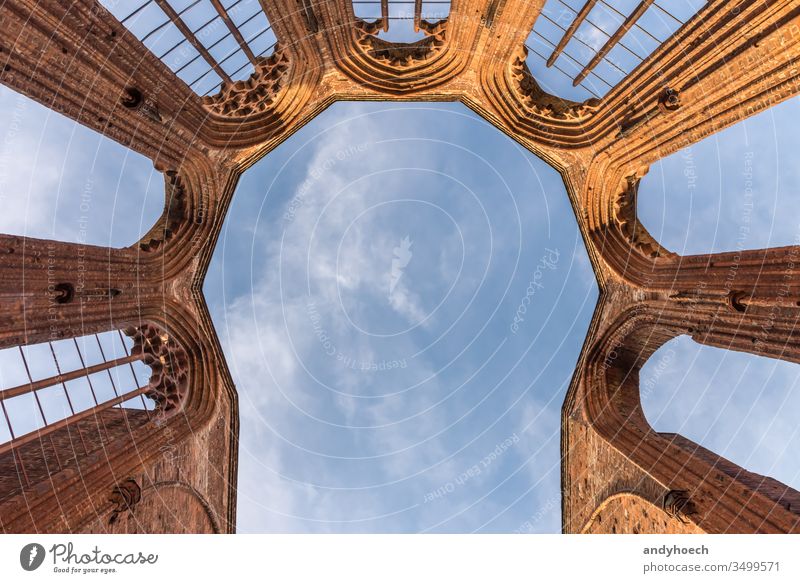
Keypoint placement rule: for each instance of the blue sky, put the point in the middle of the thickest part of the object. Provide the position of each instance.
(59, 180)
(386, 386)
(733, 191)
(655, 25)
(369, 288)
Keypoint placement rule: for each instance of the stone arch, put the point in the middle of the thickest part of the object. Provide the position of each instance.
(631, 513)
(170, 506)
(710, 491)
(735, 403)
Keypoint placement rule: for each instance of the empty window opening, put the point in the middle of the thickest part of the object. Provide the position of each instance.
(581, 49)
(402, 18)
(738, 405)
(64, 399)
(733, 191)
(60, 180)
(49, 385)
(204, 42)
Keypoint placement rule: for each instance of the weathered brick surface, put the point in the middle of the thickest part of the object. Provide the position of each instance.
(726, 63)
(630, 514)
(33, 463)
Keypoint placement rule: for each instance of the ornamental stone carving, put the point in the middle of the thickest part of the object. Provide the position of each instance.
(169, 365)
(124, 497)
(132, 98)
(401, 54)
(257, 94)
(669, 100)
(541, 103)
(627, 221)
(677, 504)
(174, 215)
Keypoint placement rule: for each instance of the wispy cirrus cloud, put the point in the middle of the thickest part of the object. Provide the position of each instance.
(370, 394)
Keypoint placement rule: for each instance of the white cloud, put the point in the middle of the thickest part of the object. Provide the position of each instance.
(62, 181)
(337, 448)
(737, 405)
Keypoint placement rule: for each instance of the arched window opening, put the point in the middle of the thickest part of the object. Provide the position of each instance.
(204, 42)
(402, 18)
(733, 191)
(64, 400)
(50, 385)
(737, 405)
(581, 49)
(62, 181)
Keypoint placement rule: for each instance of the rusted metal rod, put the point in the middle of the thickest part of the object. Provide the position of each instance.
(385, 14)
(579, 18)
(223, 14)
(417, 14)
(615, 38)
(67, 376)
(193, 40)
(48, 429)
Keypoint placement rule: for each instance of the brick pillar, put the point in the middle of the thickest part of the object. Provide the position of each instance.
(74, 57)
(51, 290)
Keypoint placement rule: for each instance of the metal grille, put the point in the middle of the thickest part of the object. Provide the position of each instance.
(582, 50)
(204, 42)
(46, 387)
(401, 17)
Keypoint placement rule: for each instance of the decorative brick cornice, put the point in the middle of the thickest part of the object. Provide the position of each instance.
(255, 95)
(403, 55)
(628, 222)
(168, 363)
(541, 103)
